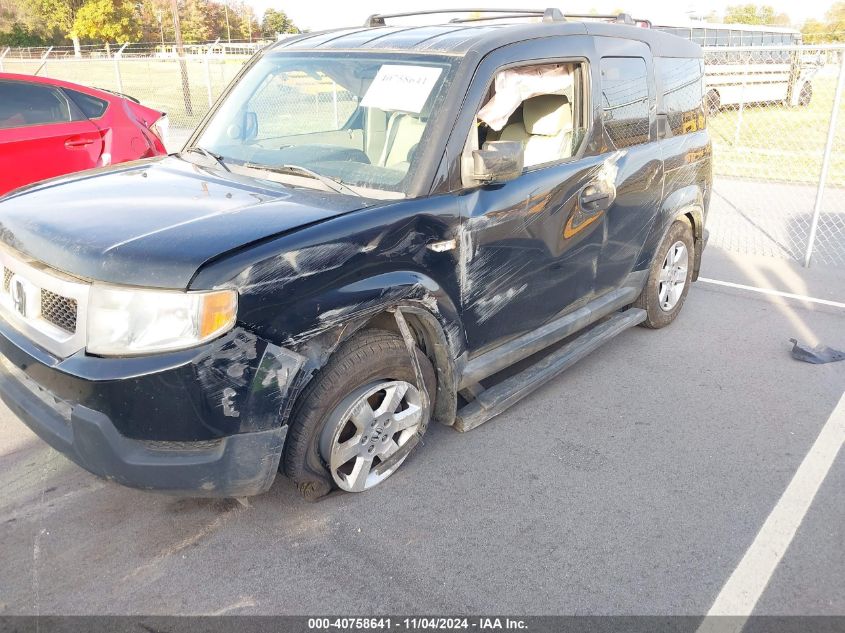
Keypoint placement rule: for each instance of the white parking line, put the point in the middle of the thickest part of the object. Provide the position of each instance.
(774, 293)
(743, 589)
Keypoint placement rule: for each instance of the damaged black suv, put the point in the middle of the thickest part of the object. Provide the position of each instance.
(365, 232)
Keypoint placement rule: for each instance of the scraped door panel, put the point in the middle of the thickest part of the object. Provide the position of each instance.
(530, 251)
(625, 83)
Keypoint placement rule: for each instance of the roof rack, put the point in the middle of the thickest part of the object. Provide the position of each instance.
(620, 18)
(548, 15)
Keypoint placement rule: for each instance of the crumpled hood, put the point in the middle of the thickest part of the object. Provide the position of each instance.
(155, 222)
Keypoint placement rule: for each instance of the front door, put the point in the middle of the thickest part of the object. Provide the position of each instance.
(530, 246)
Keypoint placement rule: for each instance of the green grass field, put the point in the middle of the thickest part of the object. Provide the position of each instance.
(778, 142)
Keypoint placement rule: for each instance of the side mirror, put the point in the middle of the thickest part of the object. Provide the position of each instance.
(498, 161)
(250, 129)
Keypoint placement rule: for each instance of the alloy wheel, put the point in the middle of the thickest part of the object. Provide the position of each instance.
(369, 426)
(673, 276)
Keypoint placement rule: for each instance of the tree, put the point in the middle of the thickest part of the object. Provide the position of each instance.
(241, 20)
(14, 12)
(18, 25)
(835, 18)
(154, 16)
(107, 21)
(815, 32)
(20, 35)
(830, 31)
(755, 14)
(60, 15)
(194, 17)
(275, 22)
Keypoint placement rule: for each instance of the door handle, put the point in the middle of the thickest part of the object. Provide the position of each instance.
(594, 197)
(73, 143)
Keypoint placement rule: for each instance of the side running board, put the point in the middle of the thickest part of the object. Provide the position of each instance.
(498, 398)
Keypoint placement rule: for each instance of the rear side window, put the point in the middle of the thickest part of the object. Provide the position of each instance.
(682, 82)
(624, 82)
(23, 104)
(92, 107)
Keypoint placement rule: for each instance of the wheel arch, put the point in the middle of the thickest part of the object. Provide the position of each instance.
(687, 203)
(433, 318)
(694, 214)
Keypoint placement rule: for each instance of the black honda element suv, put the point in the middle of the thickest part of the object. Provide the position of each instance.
(367, 229)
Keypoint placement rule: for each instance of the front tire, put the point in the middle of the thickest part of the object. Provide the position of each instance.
(361, 407)
(669, 277)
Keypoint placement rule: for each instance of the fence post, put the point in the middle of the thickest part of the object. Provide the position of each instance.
(208, 72)
(828, 149)
(117, 57)
(6, 52)
(334, 103)
(741, 109)
(43, 60)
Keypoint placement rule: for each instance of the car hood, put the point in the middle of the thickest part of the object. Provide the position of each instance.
(154, 222)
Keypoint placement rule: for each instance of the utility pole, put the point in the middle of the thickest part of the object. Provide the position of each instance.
(226, 11)
(160, 15)
(180, 52)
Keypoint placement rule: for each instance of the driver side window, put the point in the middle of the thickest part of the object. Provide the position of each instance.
(540, 106)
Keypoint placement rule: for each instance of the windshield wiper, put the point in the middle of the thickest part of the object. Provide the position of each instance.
(297, 170)
(216, 157)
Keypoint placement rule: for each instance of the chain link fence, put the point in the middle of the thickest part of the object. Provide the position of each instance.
(779, 151)
(183, 87)
(779, 165)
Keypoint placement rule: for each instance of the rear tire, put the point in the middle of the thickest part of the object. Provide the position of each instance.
(362, 367)
(669, 277)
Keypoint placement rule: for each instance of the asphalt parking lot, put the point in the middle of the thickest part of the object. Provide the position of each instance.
(633, 484)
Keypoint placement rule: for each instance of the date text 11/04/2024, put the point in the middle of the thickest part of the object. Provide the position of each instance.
(417, 624)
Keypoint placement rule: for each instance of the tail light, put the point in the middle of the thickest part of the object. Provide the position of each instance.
(161, 128)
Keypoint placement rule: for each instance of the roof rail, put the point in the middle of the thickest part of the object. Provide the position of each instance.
(621, 18)
(548, 15)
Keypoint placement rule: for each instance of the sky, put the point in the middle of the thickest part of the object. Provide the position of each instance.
(323, 14)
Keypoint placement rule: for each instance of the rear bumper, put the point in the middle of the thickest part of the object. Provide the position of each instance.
(206, 459)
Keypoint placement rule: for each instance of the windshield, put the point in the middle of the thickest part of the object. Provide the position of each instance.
(357, 119)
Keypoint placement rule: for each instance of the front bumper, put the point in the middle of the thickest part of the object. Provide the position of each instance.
(238, 457)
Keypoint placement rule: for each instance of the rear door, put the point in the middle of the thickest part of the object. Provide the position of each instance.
(632, 161)
(42, 135)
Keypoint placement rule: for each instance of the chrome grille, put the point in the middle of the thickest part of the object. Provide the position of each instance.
(58, 310)
(49, 307)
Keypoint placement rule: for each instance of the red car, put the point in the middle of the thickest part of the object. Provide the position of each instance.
(50, 127)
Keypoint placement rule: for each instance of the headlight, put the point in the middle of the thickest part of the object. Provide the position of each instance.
(124, 321)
